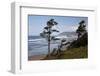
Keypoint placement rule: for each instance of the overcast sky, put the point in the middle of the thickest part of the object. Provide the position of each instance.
(36, 23)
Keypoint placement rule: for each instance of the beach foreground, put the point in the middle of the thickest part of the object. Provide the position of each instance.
(37, 57)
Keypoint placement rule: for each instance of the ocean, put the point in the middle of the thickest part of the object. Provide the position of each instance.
(38, 45)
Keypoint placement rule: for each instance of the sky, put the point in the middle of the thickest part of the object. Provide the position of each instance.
(36, 23)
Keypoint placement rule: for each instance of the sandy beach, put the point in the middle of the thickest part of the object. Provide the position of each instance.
(37, 57)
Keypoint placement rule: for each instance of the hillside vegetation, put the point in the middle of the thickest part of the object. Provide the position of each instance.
(76, 50)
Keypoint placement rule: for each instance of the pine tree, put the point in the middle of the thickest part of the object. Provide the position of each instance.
(81, 29)
(48, 30)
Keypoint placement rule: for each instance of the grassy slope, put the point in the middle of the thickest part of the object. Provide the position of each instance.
(73, 53)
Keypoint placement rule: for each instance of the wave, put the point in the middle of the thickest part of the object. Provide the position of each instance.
(34, 40)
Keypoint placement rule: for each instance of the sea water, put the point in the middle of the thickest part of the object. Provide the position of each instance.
(39, 45)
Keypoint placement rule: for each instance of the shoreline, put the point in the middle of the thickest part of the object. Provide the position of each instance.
(37, 57)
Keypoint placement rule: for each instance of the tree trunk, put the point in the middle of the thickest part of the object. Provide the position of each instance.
(49, 42)
(48, 48)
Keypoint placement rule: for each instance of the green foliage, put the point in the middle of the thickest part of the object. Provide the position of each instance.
(51, 23)
(54, 30)
(48, 29)
(81, 29)
(82, 41)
